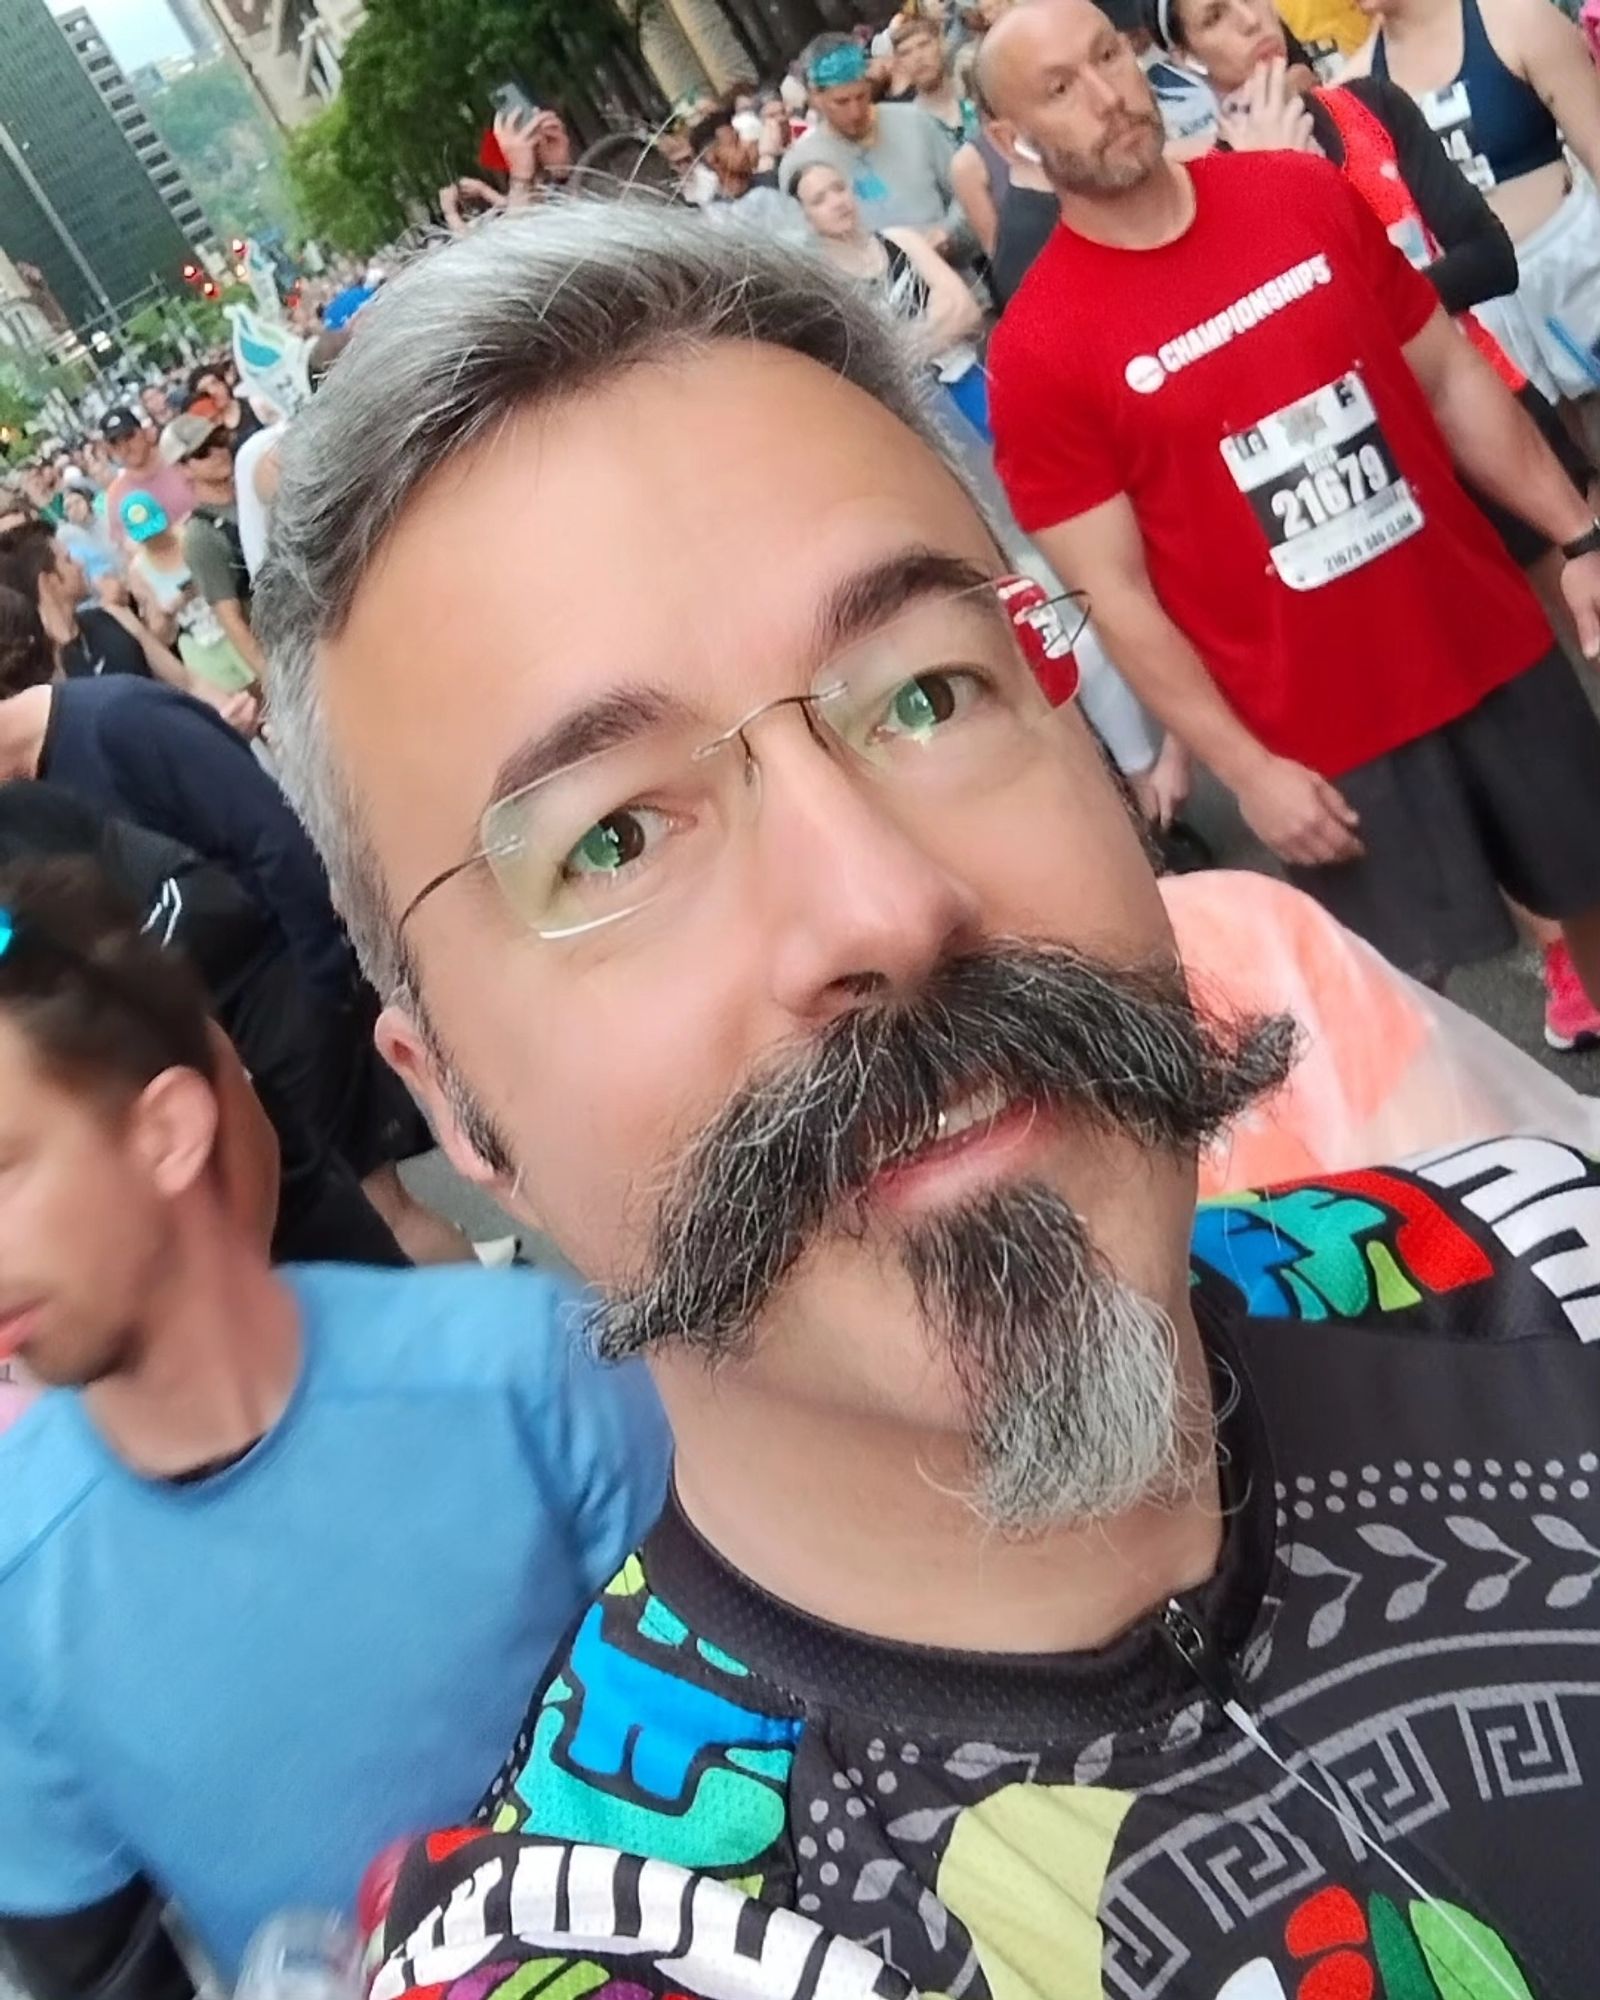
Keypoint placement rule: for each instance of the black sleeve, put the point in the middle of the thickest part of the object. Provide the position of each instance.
(1476, 261)
(199, 776)
(113, 1950)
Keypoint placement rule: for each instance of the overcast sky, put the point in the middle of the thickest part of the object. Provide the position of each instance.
(138, 31)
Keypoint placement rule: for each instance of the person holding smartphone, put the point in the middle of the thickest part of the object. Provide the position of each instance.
(535, 148)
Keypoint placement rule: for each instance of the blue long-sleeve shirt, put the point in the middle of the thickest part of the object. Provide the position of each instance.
(146, 752)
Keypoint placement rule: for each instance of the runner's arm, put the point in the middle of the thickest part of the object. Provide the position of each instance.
(970, 179)
(78, 1921)
(218, 576)
(1498, 445)
(117, 1949)
(1102, 552)
(1478, 261)
(1556, 62)
(230, 616)
(1297, 813)
(953, 313)
(162, 661)
(1494, 440)
(959, 240)
(160, 622)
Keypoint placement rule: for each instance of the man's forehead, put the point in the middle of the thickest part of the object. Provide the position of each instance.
(657, 491)
(1035, 37)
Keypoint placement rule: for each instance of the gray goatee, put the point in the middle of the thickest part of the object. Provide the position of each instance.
(1068, 1376)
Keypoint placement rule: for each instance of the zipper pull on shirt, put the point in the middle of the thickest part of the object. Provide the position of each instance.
(1205, 1659)
(1199, 1652)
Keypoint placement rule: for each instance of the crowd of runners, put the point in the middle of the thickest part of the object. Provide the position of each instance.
(691, 708)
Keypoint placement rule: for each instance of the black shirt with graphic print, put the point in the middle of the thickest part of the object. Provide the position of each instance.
(102, 644)
(1362, 1760)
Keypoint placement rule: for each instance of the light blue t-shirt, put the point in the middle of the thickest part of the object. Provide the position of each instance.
(245, 1687)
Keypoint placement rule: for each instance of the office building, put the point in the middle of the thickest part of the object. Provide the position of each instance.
(149, 149)
(25, 320)
(199, 31)
(74, 199)
(292, 50)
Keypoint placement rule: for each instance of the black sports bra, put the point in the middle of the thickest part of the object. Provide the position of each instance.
(1493, 125)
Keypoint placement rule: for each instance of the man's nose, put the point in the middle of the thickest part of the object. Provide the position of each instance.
(1104, 91)
(854, 903)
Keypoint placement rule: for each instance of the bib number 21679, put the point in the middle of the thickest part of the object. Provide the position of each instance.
(1322, 484)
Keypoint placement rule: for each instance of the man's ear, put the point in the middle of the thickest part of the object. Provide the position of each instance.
(408, 1053)
(174, 1128)
(1003, 133)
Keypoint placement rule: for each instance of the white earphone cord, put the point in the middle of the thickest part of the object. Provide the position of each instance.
(1247, 1726)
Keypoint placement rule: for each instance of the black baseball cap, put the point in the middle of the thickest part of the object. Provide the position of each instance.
(119, 424)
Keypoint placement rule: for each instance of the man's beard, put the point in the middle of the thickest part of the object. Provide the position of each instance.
(1096, 172)
(52, 1367)
(1069, 1378)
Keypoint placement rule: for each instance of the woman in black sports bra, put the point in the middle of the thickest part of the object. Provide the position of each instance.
(1510, 90)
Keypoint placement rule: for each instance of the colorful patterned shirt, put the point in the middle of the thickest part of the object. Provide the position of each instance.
(1362, 1760)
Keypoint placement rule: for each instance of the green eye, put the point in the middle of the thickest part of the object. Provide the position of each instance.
(609, 845)
(918, 707)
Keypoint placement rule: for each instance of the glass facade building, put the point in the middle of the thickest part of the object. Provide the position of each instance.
(74, 198)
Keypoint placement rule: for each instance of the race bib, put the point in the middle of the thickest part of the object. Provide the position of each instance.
(1323, 484)
(1449, 112)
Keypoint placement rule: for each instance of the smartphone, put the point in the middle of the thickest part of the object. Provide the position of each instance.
(506, 97)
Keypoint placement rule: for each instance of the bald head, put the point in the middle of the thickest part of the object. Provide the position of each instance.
(1013, 49)
(1060, 76)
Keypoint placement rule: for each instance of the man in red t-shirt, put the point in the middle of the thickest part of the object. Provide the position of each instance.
(1227, 407)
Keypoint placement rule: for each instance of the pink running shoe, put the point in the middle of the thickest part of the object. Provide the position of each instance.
(1571, 1019)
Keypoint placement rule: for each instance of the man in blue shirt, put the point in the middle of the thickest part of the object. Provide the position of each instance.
(282, 1551)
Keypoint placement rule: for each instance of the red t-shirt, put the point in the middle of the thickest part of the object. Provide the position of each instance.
(1302, 520)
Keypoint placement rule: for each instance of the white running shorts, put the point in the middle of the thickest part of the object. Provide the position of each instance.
(1550, 325)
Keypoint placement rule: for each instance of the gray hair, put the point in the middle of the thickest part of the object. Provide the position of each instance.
(527, 310)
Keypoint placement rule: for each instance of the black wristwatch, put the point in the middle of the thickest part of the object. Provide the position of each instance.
(1587, 544)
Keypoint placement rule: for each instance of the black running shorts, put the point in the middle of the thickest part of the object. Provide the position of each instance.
(1506, 797)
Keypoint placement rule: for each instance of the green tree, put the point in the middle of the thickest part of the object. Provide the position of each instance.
(197, 114)
(18, 410)
(416, 98)
(233, 159)
(343, 196)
